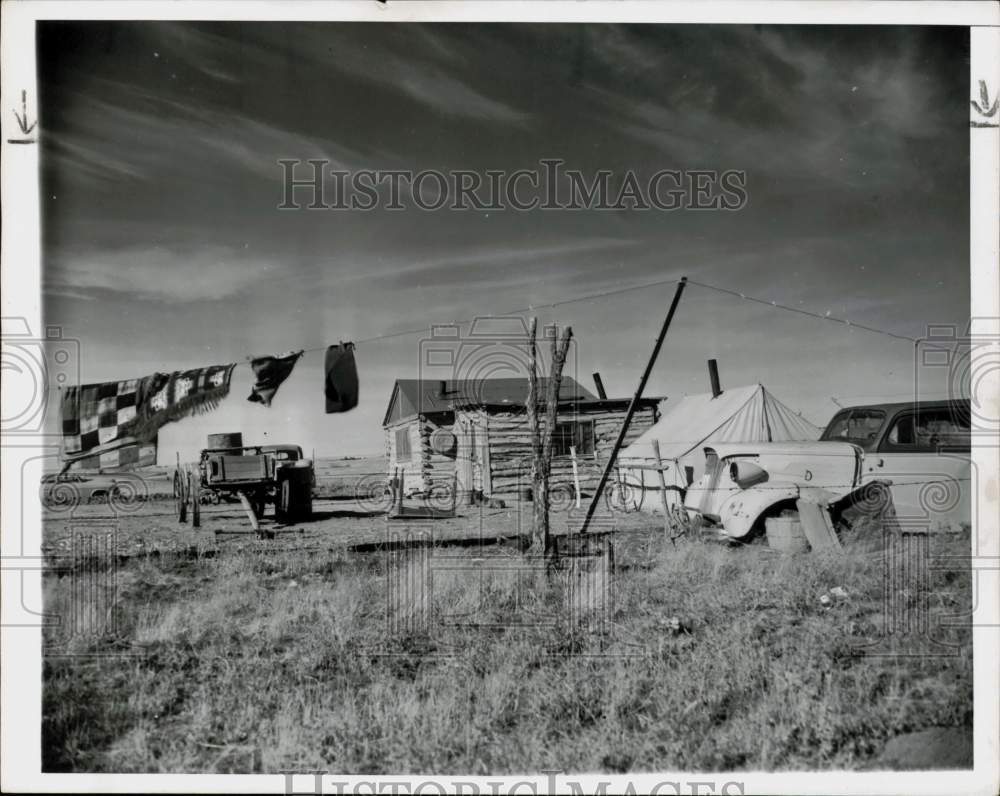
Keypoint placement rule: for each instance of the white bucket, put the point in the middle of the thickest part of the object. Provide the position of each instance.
(786, 534)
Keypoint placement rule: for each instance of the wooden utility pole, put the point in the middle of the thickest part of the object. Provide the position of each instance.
(559, 352)
(541, 443)
(633, 405)
(533, 432)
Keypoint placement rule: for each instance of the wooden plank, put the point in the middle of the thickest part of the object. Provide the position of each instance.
(421, 513)
(487, 464)
(817, 525)
(245, 501)
(576, 473)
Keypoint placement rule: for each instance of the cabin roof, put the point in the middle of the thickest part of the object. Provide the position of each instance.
(413, 397)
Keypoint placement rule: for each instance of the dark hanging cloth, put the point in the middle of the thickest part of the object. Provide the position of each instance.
(341, 383)
(269, 373)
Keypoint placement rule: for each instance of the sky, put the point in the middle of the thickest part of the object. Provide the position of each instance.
(164, 248)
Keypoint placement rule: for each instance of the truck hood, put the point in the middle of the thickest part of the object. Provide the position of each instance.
(833, 467)
(794, 449)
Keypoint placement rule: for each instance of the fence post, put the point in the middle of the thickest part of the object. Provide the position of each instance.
(607, 584)
(663, 487)
(576, 474)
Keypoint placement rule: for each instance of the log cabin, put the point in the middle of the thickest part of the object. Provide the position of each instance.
(435, 430)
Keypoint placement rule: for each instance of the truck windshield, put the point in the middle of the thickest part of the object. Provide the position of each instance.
(860, 426)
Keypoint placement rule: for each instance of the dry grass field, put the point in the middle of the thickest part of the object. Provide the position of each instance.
(261, 656)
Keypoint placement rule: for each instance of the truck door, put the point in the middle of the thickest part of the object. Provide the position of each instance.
(925, 453)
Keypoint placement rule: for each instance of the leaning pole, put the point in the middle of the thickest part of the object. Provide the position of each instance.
(633, 405)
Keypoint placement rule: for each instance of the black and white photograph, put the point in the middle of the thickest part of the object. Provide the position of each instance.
(474, 398)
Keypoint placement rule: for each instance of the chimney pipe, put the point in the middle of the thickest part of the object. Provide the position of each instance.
(713, 376)
(600, 387)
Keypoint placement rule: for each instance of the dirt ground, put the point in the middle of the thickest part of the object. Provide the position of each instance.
(151, 527)
(349, 511)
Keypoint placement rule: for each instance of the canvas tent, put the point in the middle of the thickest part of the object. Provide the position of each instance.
(743, 414)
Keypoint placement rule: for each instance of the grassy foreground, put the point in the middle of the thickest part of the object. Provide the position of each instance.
(717, 659)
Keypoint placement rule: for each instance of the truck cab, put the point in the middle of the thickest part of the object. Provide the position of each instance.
(919, 451)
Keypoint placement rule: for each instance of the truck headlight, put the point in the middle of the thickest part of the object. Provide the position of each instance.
(745, 474)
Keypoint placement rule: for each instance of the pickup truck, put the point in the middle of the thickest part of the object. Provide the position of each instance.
(918, 453)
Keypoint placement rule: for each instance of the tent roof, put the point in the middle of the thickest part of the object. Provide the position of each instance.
(741, 414)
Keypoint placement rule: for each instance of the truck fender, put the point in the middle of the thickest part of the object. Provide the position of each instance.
(745, 509)
(741, 512)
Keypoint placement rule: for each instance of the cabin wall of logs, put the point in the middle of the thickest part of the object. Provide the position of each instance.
(506, 454)
(427, 457)
(490, 448)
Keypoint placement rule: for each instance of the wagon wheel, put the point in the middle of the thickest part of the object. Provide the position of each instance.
(180, 496)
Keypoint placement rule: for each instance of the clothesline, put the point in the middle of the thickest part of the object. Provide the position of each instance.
(632, 288)
(248, 360)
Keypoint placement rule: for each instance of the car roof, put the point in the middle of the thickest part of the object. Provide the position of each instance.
(953, 403)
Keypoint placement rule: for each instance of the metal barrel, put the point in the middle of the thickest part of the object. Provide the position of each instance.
(232, 440)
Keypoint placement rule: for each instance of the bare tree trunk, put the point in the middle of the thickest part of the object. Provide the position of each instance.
(533, 430)
(551, 418)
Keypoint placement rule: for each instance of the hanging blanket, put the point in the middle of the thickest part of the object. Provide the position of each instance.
(129, 455)
(100, 418)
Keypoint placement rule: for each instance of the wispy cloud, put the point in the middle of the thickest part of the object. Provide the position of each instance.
(130, 133)
(431, 75)
(208, 273)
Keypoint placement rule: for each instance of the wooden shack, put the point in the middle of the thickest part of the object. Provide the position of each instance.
(479, 431)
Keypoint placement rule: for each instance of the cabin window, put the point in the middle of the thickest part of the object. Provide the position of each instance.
(403, 453)
(573, 433)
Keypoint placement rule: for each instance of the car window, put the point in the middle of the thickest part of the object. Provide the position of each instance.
(929, 430)
(859, 426)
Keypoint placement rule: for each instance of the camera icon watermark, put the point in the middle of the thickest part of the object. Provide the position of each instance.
(68, 587)
(930, 576)
(63, 494)
(433, 591)
(80, 590)
(34, 369)
(475, 364)
(475, 385)
(964, 366)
